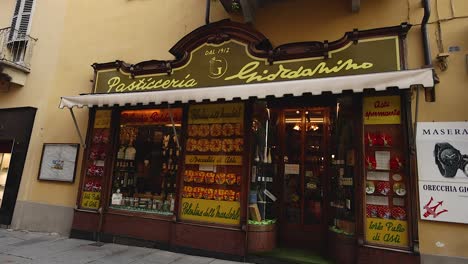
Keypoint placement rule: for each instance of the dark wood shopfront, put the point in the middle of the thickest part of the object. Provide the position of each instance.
(293, 174)
(305, 140)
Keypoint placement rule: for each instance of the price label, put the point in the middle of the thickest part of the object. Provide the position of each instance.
(91, 200)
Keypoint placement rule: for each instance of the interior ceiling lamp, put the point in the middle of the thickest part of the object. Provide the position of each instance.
(313, 127)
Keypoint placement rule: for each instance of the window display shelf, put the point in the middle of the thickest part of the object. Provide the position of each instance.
(141, 210)
(391, 195)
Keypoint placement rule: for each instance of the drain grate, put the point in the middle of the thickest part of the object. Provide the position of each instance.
(97, 244)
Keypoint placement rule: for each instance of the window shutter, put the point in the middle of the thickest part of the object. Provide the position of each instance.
(21, 20)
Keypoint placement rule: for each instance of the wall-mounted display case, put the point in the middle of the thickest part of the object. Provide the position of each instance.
(386, 173)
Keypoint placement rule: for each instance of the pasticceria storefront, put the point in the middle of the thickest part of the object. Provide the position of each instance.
(236, 147)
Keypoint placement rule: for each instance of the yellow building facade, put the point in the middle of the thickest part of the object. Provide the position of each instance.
(72, 35)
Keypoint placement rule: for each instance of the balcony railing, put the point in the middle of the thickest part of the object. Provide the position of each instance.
(16, 48)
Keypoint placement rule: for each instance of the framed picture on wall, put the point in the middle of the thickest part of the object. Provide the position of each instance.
(58, 162)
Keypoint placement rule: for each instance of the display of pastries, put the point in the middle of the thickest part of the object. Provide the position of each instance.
(198, 192)
(203, 145)
(238, 129)
(187, 192)
(199, 176)
(215, 145)
(192, 130)
(215, 130)
(371, 210)
(229, 195)
(383, 212)
(227, 145)
(231, 178)
(188, 175)
(208, 194)
(383, 187)
(238, 144)
(228, 130)
(210, 177)
(203, 130)
(218, 195)
(192, 144)
(220, 178)
(398, 213)
(213, 139)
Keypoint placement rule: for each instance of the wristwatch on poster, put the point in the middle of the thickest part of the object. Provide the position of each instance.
(464, 164)
(447, 159)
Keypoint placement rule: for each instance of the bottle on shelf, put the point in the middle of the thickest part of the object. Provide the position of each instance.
(121, 152)
(130, 152)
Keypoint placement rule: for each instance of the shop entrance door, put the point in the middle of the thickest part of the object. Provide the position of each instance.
(305, 144)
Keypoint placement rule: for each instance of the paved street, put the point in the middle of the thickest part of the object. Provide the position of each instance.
(24, 247)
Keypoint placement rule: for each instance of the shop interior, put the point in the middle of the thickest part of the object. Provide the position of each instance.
(146, 166)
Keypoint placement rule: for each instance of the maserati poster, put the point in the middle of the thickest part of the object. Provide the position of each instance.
(442, 154)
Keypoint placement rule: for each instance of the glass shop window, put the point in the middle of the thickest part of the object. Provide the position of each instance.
(146, 163)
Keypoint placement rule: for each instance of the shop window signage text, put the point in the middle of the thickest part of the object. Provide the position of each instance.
(387, 231)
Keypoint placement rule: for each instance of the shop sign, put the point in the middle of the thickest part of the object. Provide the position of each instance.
(216, 113)
(90, 200)
(231, 63)
(381, 110)
(102, 119)
(213, 159)
(387, 232)
(442, 151)
(151, 116)
(220, 212)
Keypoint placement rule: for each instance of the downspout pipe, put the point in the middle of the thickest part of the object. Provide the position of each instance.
(429, 91)
(427, 48)
(207, 14)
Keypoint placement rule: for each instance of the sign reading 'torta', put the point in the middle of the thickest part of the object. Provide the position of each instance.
(230, 63)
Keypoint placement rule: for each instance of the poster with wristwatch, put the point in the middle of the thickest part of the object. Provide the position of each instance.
(442, 154)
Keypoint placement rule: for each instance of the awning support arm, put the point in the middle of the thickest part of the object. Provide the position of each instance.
(173, 127)
(77, 128)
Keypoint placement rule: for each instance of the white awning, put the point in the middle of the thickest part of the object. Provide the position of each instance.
(356, 83)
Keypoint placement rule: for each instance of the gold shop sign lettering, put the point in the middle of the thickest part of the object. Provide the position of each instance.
(220, 212)
(387, 232)
(382, 110)
(230, 63)
(216, 113)
(213, 160)
(90, 200)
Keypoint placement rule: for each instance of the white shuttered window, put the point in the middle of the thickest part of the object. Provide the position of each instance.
(21, 20)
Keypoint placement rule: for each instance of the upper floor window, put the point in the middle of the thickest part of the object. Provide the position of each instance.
(21, 20)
